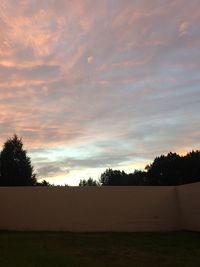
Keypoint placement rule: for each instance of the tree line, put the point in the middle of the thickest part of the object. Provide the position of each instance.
(166, 170)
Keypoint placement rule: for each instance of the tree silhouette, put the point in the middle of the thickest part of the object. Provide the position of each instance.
(15, 165)
(113, 177)
(168, 170)
(44, 183)
(136, 178)
(173, 169)
(165, 170)
(191, 167)
(120, 178)
(89, 182)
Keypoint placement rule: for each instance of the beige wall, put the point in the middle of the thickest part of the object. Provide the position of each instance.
(89, 208)
(189, 203)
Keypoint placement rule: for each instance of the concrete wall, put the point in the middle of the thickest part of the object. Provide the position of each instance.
(90, 208)
(189, 203)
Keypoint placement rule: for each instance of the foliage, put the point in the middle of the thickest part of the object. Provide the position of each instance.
(120, 178)
(168, 170)
(89, 182)
(44, 183)
(15, 165)
(165, 170)
(174, 169)
(112, 177)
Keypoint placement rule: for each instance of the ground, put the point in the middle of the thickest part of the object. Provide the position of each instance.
(28, 249)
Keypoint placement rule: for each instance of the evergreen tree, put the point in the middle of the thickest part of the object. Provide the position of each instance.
(15, 165)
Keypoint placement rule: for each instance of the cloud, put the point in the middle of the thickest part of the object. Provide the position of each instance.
(51, 170)
(116, 78)
(90, 59)
(184, 28)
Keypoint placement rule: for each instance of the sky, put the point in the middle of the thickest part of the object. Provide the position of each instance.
(91, 85)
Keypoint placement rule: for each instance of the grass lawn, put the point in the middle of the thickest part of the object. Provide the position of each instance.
(99, 249)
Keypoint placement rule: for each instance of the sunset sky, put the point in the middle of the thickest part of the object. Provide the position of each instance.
(93, 84)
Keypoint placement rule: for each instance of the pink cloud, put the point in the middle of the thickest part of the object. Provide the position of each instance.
(79, 72)
(184, 28)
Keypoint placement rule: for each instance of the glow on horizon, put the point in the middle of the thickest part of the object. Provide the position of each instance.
(61, 175)
(95, 84)
(74, 177)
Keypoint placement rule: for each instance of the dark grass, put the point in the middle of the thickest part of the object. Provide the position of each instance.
(28, 249)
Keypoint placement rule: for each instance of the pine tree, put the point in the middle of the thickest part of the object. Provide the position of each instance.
(15, 165)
